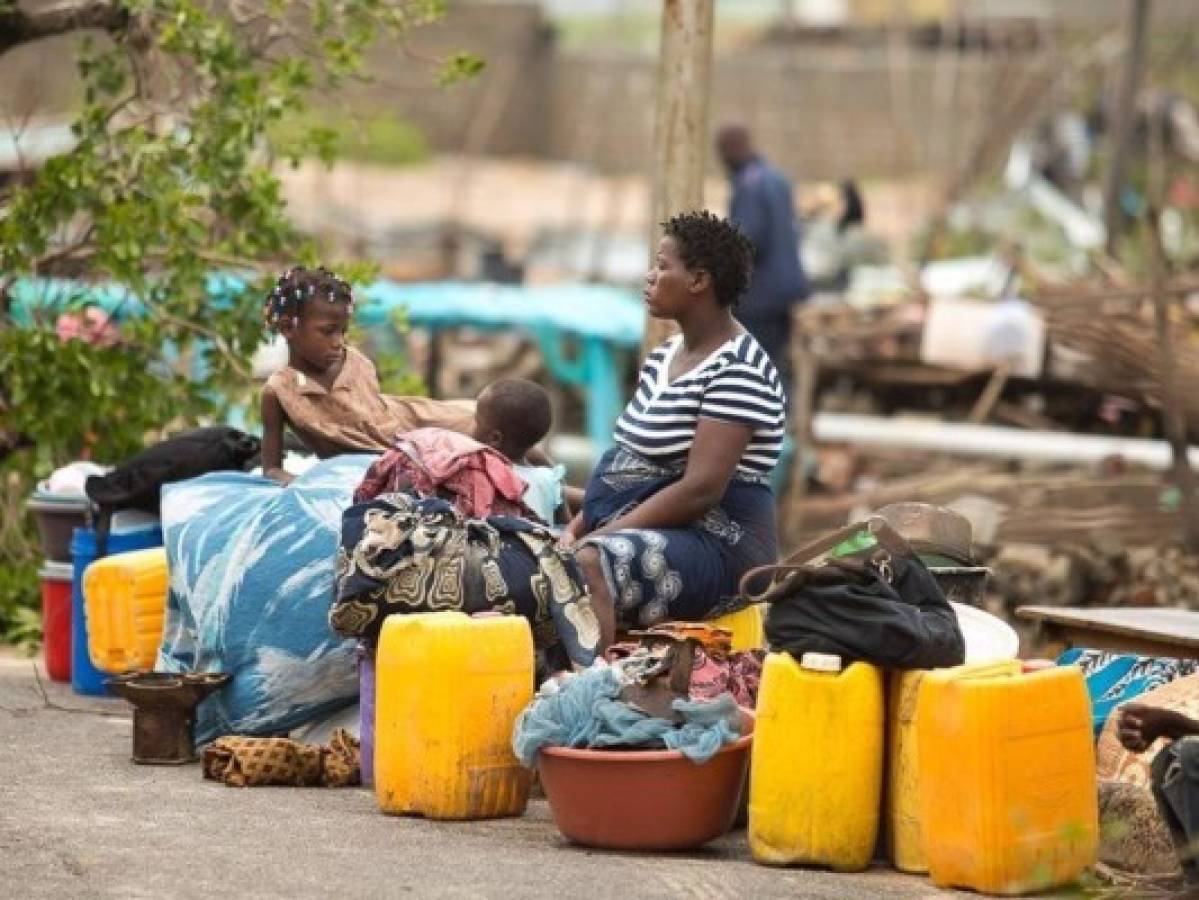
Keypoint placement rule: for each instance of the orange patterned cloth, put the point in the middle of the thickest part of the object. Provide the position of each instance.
(249, 761)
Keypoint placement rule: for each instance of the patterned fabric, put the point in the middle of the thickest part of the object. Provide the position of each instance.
(354, 414)
(400, 554)
(656, 575)
(712, 673)
(249, 762)
(437, 462)
(739, 674)
(1117, 764)
(737, 384)
(1116, 678)
(251, 568)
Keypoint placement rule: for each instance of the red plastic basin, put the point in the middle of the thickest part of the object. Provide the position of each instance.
(648, 800)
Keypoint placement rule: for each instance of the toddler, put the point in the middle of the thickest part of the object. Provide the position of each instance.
(496, 471)
(328, 393)
(513, 416)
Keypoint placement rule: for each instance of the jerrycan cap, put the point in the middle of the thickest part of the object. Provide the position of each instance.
(821, 662)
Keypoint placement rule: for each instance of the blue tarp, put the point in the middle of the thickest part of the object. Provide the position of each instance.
(251, 580)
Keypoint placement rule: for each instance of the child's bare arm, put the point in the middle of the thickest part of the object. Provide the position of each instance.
(573, 496)
(273, 420)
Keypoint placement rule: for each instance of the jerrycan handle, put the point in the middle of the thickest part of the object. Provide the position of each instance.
(821, 662)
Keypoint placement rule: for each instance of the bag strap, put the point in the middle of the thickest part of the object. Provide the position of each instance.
(783, 574)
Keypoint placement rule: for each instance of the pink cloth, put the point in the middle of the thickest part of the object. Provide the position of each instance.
(437, 462)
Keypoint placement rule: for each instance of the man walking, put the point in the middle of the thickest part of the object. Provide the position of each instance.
(762, 206)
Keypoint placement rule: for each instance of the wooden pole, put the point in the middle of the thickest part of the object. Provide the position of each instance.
(1173, 416)
(1123, 118)
(681, 122)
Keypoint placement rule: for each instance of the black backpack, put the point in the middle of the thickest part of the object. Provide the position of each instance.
(881, 604)
(137, 482)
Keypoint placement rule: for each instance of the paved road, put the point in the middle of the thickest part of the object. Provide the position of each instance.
(77, 819)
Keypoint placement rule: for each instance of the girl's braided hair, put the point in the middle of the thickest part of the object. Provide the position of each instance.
(299, 285)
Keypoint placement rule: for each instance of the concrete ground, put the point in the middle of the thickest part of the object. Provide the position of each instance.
(78, 819)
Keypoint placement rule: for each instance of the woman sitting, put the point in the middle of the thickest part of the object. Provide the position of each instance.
(673, 516)
(681, 507)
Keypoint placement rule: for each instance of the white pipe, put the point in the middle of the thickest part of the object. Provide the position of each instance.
(988, 440)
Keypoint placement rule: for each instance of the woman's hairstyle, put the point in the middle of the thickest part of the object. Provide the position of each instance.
(298, 286)
(716, 246)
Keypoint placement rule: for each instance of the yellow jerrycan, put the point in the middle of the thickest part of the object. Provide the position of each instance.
(748, 626)
(901, 813)
(817, 764)
(448, 689)
(1009, 798)
(125, 597)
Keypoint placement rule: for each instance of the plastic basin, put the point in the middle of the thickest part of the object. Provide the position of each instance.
(647, 800)
(57, 518)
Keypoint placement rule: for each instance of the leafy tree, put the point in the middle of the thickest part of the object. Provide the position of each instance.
(170, 181)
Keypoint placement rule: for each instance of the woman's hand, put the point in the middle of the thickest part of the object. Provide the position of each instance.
(572, 532)
(711, 464)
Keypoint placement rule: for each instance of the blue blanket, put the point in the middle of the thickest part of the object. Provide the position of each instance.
(252, 568)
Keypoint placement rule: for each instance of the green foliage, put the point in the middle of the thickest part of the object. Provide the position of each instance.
(170, 181)
(385, 139)
(459, 67)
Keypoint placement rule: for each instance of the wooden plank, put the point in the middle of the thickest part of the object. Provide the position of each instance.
(1174, 628)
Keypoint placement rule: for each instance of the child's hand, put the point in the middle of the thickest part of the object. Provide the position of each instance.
(280, 475)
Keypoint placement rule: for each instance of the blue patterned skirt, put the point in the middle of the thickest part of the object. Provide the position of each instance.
(662, 574)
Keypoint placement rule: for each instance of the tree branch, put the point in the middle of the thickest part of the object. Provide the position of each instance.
(18, 26)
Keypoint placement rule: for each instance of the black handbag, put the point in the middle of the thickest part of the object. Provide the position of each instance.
(879, 604)
(137, 482)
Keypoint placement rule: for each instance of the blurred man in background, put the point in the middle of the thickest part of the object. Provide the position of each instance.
(762, 205)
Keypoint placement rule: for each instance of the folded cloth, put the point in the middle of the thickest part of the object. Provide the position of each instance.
(436, 462)
(583, 712)
(249, 762)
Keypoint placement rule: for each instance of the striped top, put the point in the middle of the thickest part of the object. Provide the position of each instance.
(737, 383)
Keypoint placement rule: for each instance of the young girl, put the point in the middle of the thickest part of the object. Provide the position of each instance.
(328, 393)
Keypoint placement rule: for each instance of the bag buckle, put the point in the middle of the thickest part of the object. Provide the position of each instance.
(882, 563)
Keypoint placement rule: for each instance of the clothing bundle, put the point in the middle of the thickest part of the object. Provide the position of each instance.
(437, 462)
(584, 711)
(250, 762)
(713, 673)
(400, 554)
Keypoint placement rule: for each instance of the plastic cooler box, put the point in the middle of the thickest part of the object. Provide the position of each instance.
(85, 677)
(56, 618)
